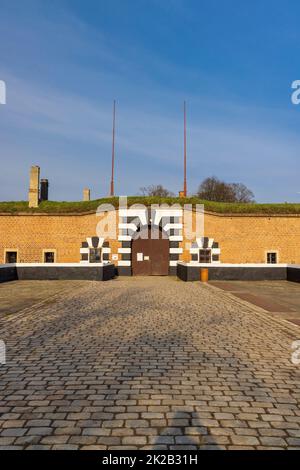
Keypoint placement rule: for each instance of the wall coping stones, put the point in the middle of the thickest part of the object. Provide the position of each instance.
(55, 265)
(234, 265)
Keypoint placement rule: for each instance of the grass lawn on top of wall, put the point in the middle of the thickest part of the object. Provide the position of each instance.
(64, 207)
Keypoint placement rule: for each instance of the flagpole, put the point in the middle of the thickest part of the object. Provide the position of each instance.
(112, 189)
(184, 135)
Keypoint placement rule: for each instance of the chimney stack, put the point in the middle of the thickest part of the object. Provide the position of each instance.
(44, 189)
(33, 195)
(86, 194)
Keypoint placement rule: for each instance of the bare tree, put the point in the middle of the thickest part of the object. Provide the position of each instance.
(213, 189)
(156, 190)
(242, 193)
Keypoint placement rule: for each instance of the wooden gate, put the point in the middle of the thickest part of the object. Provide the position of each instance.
(150, 256)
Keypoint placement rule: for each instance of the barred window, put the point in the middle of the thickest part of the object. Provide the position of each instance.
(272, 257)
(49, 257)
(205, 256)
(11, 257)
(95, 255)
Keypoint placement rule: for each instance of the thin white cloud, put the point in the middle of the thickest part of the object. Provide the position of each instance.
(145, 139)
(69, 127)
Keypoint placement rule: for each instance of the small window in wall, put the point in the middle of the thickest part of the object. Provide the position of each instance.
(11, 257)
(205, 256)
(272, 257)
(95, 255)
(49, 257)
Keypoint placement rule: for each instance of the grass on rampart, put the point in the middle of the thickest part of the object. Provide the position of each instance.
(64, 207)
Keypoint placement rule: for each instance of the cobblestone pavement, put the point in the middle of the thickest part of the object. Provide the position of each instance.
(17, 295)
(149, 363)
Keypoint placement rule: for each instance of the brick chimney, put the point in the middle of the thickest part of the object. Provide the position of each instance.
(33, 194)
(44, 189)
(86, 194)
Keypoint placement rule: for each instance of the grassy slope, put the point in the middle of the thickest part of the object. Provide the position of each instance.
(218, 207)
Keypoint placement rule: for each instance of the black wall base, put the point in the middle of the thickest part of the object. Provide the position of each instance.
(8, 274)
(293, 274)
(184, 272)
(123, 271)
(40, 273)
(239, 273)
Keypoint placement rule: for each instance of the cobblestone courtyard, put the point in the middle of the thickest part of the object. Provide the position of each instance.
(150, 363)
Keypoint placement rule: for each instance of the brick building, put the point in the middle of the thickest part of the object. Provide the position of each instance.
(39, 237)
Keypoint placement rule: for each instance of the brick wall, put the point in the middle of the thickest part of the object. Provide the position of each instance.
(246, 239)
(242, 239)
(31, 234)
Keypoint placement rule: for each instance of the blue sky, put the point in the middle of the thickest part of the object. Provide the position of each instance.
(64, 61)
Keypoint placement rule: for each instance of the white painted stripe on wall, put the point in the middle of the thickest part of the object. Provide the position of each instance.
(210, 242)
(106, 250)
(175, 238)
(176, 250)
(157, 218)
(245, 265)
(100, 242)
(54, 265)
(84, 250)
(124, 263)
(216, 251)
(124, 250)
(126, 226)
(173, 263)
(249, 265)
(174, 226)
(124, 238)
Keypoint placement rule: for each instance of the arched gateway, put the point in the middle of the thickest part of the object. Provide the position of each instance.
(150, 252)
(149, 243)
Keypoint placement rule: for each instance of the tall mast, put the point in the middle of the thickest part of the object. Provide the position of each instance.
(184, 134)
(112, 189)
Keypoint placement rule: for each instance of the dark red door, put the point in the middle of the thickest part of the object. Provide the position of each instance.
(160, 257)
(150, 256)
(140, 256)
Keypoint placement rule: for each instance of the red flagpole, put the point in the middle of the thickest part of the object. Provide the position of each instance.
(112, 189)
(184, 180)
